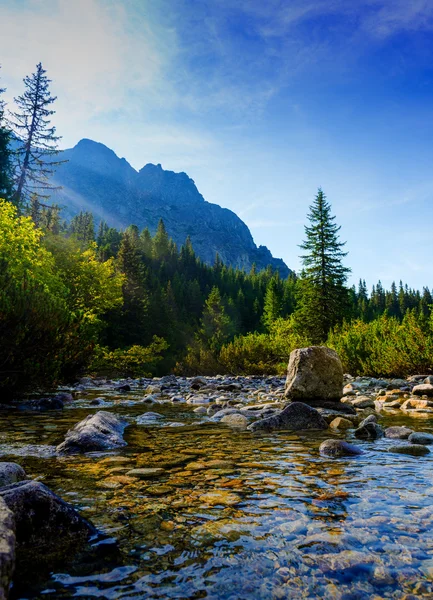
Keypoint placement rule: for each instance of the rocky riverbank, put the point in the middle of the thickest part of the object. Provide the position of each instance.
(185, 460)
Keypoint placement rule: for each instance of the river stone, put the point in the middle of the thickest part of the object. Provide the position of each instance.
(7, 548)
(222, 413)
(425, 439)
(369, 431)
(235, 420)
(363, 402)
(148, 418)
(369, 419)
(413, 403)
(398, 433)
(100, 431)
(341, 423)
(296, 416)
(47, 527)
(314, 374)
(410, 449)
(337, 448)
(424, 389)
(11, 473)
(145, 473)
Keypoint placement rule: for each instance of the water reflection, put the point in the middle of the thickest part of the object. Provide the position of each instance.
(233, 515)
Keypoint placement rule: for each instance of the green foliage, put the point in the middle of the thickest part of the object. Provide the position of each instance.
(385, 346)
(322, 296)
(136, 361)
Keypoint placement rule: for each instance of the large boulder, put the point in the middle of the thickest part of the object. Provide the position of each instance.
(295, 416)
(7, 548)
(101, 431)
(314, 376)
(47, 527)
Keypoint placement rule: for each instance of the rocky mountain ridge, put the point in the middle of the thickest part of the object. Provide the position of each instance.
(97, 180)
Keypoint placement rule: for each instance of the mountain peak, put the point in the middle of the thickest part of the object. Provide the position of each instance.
(97, 180)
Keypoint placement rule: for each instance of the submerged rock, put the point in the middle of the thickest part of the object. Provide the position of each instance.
(369, 431)
(47, 527)
(101, 431)
(144, 473)
(11, 473)
(314, 374)
(43, 404)
(410, 450)
(338, 448)
(295, 416)
(7, 548)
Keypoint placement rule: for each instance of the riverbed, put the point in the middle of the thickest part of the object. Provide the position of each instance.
(231, 514)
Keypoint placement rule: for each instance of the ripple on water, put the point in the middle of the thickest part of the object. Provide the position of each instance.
(231, 515)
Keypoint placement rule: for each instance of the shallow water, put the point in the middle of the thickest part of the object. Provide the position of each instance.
(234, 515)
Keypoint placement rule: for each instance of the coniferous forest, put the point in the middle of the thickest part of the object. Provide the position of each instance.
(80, 297)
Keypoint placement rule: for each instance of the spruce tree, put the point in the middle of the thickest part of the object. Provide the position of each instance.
(5, 153)
(273, 302)
(323, 297)
(35, 161)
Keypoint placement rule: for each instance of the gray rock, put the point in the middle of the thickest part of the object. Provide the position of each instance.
(363, 402)
(222, 413)
(425, 439)
(398, 433)
(369, 431)
(125, 387)
(146, 473)
(424, 389)
(101, 431)
(148, 417)
(410, 450)
(338, 448)
(235, 420)
(369, 419)
(47, 527)
(7, 548)
(429, 380)
(296, 416)
(314, 374)
(43, 404)
(11, 473)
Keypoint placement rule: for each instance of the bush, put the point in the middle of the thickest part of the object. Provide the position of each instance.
(385, 347)
(136, 361)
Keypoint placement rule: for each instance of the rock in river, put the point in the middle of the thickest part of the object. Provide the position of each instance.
(338, 448)
(47, 527)
(101, 431)
(7, 548)
(314, 374)
(410, 449)
(296, 416)
(11, 473)
(425, 439)
(369, 431)
(398, 433)
(424, 389)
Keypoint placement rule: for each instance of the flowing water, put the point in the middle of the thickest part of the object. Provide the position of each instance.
(233, 515)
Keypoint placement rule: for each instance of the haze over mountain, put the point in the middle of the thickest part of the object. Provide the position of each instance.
(97, 180)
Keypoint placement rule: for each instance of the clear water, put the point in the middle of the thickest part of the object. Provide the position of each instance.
(234, 515)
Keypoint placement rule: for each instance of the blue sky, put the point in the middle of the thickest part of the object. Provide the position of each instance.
(260, 103)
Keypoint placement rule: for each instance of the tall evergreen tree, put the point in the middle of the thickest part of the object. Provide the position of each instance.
(35, 159)
(273, 302)
(5, 153)
(323, 298)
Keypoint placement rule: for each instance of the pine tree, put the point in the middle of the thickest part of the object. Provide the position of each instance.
(216, 326)
(5, 153)
(35, 158)
(273, 302)
(323, 297)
